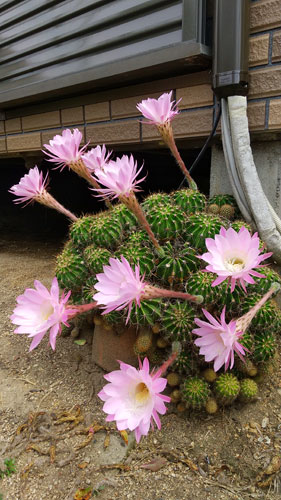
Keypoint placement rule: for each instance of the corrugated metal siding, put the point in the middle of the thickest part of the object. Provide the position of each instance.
(43, 41)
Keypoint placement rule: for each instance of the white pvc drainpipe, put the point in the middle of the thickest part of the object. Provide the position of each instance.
(244, 179)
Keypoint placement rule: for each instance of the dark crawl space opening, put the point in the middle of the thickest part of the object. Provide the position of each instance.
(73, 192)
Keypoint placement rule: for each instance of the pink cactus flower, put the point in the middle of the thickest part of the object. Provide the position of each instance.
(30, 187)
(119, 177)
(64, 149)
(234, 256)
(218, 340)
(132, 398)
(119, 286)
(159, 111)
(40, 310)
(96, 158)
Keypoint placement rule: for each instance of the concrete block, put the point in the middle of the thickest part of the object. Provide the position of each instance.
(41, 120)
(24, 142)
(258, 50)
(267, 157)
(264, 15)
(276, 47)
(194, 97)
(265, 82)
(13, 125)
(114, 133)
(72, 116)
(97, 112)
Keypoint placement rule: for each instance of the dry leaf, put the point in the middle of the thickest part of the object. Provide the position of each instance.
(124, 436)
(83, 494)
(106, 441)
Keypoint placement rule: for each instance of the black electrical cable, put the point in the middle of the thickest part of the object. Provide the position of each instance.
(198, 158)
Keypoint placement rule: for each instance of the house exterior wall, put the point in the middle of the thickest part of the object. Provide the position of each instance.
(111, 117)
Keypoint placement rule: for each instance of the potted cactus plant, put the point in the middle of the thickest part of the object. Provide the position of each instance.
(175, 268)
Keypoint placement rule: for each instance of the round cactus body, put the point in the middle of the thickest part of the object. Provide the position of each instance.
(211, 406)
(173, 379)
(200, 226)
(237, 224)
(209, 375)
(139, 237)
(124, 217)
(156, 357)
(106, 231)
(262, 285)
(267, 318)
(265, 346)
(155, 200)
(178, 321)
(96, 257)
(195, 392)
(223, 205)
(138, 255)
(184, 362)
(247, 340)
(147, 313)
(227, 388)
(71, 270)
(166, 221)
(80, 230)
(227, 211)
(144, 340)
(189, 200)
(200, 283)
(248, 390)
(88, 289)
(179, 261)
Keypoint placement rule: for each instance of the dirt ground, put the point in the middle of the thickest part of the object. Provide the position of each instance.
(48, 403)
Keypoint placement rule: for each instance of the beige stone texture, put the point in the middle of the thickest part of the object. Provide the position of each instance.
(97, 112)
(2, 127)
(49, 134)
(114, 133)
(13, 125)
(276, 47)
(265, 82)
(72, 116)
(256, 115)
(191, 124)
(196, 96)
(264, 15)
(3, 144)
(121, 108)
(41, 121)
(24, 142)
(258, 50)
(274, 121)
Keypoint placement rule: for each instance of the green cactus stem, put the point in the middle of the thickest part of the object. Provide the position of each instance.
(167, 222)
(200, 283)
(195, 392)
(155, 200)
(178, 321)
(200, 226)
(96, 257)
(248, 390)
(138, 255)
(71, 270)
(189, 200)
(178, 262)
(265, 346)
(147, 313)
(227, 388)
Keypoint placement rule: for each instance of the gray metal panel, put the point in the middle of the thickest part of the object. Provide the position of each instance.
(44, 43)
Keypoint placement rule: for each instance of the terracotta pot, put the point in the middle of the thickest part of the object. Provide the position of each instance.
(108, 347)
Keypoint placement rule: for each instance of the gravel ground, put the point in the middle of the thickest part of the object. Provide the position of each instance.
(48, 402)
